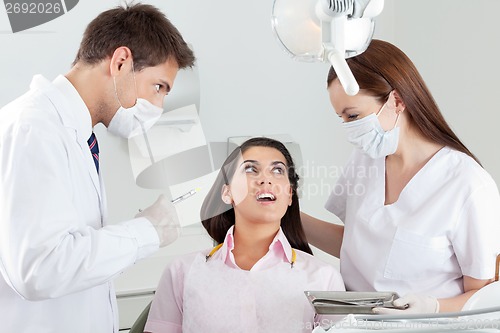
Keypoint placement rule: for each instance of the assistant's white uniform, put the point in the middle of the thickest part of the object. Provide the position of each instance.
(57, 256)
(445, 224)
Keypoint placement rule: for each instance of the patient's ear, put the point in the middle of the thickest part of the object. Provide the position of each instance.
(226, 195)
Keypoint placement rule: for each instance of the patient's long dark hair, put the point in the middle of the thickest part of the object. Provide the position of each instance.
(217, 217)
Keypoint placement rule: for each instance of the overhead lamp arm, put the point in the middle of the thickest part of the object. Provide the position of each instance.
(334, 15)
(327, 31)
(332, 35)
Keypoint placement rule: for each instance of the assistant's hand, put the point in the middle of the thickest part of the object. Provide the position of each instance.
(163, 216)
(415, 303)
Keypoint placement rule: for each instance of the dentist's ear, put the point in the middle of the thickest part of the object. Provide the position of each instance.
(120, 57)
(291, 196)
(226, 195)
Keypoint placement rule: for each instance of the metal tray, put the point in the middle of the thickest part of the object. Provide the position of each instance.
(347, 302)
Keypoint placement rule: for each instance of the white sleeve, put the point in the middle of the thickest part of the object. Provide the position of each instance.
(47, 248)
(476, 239)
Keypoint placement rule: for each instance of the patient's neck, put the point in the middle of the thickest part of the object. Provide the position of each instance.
(251, 242)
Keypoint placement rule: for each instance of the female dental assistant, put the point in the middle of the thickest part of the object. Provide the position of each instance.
(425, 217)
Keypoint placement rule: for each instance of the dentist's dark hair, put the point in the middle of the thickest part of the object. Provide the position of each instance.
(143, 28)
(382, 68)
(217, 217)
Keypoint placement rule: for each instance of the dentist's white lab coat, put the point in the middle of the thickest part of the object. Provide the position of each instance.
(57, 255)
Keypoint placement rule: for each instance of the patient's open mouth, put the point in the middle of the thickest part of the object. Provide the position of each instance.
(266, 196)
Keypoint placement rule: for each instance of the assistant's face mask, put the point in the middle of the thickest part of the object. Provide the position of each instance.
(368, 135)
(128, 122)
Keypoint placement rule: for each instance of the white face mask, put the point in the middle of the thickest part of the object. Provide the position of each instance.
(128, 122)
(135, 120)
(368, 135)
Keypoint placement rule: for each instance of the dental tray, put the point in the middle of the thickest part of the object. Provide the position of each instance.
(347, 302)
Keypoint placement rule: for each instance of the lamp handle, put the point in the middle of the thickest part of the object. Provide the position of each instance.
(343, 71)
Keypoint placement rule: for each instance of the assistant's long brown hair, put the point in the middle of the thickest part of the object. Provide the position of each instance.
(382, 68)
(217, 217)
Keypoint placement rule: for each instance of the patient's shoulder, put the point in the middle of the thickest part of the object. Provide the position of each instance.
(312, 262)
(182, 264)
(326, 274)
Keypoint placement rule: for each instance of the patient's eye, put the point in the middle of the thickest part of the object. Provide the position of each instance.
(279, 170)
(250, 168)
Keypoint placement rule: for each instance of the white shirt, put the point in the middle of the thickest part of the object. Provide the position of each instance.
(57, 255)
(215, 295)
(445, 224)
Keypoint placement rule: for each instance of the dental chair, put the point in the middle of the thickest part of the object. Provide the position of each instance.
(486, 297)
(140, 322)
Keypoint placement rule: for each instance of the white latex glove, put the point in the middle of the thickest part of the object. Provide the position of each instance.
(318, 329)
(415, 303)
(163, 216)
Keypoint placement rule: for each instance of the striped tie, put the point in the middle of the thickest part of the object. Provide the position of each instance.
(94, 149)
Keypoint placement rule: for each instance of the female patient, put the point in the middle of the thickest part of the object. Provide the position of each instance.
(254, 279)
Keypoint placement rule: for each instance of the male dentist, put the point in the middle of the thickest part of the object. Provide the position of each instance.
(58, 256)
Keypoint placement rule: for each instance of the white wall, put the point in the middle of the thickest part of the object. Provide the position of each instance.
(456, 46)
(249, 86)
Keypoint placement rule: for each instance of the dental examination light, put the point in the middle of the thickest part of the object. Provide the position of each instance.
(326, 31)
